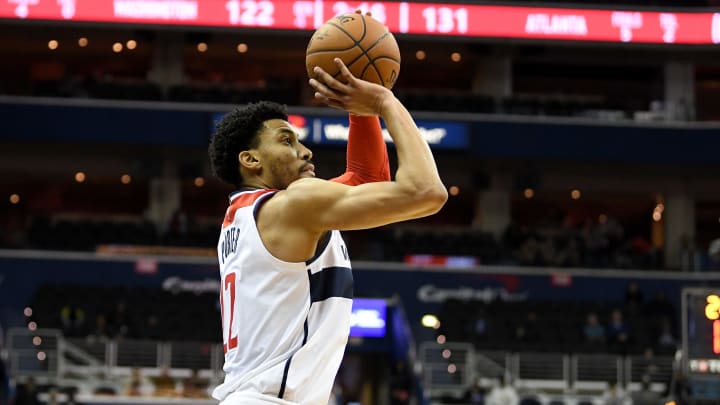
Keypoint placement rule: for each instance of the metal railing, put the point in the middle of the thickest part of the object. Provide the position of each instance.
(557, 372)
(45, 353)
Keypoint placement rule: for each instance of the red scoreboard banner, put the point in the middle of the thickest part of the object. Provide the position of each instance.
(461, 20)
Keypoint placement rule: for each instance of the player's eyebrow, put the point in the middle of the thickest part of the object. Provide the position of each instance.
(286, 131)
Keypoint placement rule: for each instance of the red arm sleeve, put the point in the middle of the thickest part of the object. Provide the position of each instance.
(367, 157)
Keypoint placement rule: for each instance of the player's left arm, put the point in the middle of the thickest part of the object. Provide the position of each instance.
(367, 158)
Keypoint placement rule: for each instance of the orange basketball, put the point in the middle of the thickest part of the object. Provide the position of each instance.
(363, 43)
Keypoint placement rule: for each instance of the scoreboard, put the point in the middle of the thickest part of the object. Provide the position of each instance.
(404, 17)
(701, 331)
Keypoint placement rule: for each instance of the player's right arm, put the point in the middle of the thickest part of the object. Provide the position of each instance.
(417, 190)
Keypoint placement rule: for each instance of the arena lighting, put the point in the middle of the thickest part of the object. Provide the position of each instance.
(429, 321)
(452, 368)
(82, 42)
(53, 44)
(28, 311)
(80, 177)
(242, 47)
(14, 198)
(456, 57)
(202, 47)
(441, 339)
(41, 356)
(446, 354)
(37, 340)
(125, 179)
(420, 55)
(454, 190)
(199, 181)
(131, 44)
(32, 325)
(117, 47)
(575, 194)
(420, 18)
(529, 193)
(602, 218)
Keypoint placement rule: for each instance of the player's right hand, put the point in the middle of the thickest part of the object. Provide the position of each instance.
(352, 94)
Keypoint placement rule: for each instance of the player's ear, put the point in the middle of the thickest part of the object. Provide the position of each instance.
(249, 159)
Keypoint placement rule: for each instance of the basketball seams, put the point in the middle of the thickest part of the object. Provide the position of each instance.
(363, 58)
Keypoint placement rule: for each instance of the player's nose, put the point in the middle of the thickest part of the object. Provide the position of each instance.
(305, 152)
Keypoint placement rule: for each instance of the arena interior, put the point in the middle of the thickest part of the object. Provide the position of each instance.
(576, 261)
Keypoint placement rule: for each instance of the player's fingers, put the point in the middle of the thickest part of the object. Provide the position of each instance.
(328, 101)
(329, 81)
(321, 88)
(345, 72)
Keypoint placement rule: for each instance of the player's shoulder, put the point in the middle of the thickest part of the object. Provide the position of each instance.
(247, 198)
(243, 199)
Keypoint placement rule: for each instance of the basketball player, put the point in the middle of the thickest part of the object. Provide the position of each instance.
(287, 287)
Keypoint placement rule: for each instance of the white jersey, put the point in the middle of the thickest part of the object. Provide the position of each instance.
(285, 324)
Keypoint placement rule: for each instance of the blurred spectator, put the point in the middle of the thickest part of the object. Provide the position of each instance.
(502, 394)
(633, 298)
(529, 330)
(714, 254)
(593, 331)
(659, 306)
(400, 384)
(151, 329)
(27, 393)
(138, 385)
(100, 332)
(618, 333)
(119, 321)
(614, 394)
(689, 257)
(645, 396)
(568, 252)
(195, 386)
(164, 384)
(72, 319)
(477, 393)
(650, 363)
(666, 342)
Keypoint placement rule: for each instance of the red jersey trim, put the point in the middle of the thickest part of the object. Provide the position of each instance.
(244, 199)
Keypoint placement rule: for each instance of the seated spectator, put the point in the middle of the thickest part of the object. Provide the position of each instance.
(164, 384)
(614, 394)
(138, 385)
(666, 342)
(593, 331)
(72, 319)
(194, 386)
(502, 394)
(633, 298)
(645, 396)
(27, 393)
(529, 330)
(618, 333)
(100, 332)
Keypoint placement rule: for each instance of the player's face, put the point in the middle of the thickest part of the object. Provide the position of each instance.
(285, 159)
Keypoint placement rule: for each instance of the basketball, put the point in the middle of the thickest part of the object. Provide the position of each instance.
(363, 43)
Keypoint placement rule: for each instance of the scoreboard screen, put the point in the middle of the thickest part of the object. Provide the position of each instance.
(701, 330)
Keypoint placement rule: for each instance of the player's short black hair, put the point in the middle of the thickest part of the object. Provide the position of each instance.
(238, 131)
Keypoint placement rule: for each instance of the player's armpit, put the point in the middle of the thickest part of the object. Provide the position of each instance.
(323, 205)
